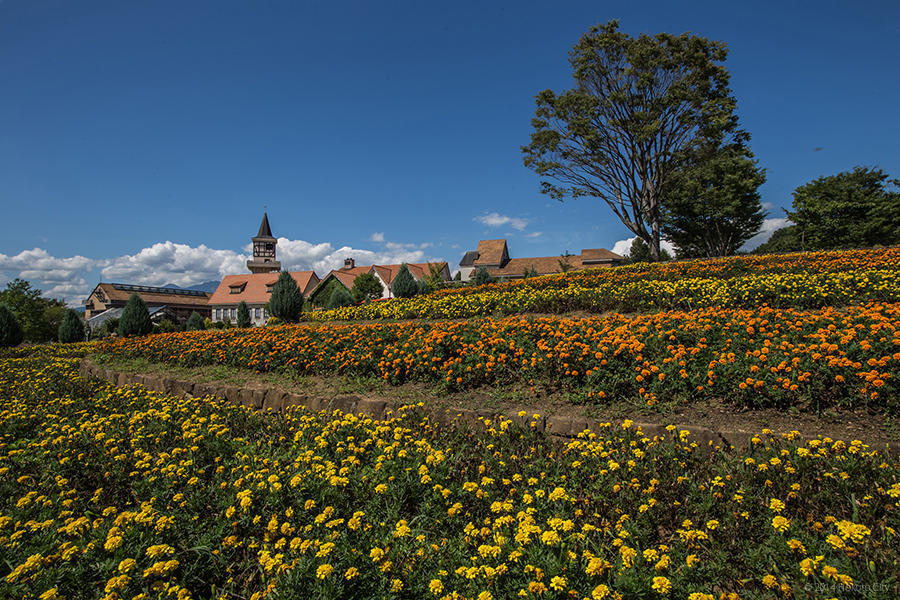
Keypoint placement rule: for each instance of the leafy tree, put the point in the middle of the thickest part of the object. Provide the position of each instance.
(286, 302)
(530, 272)
(195, 322)
(365, 287)
(786, 239)
(852, 209)
(711, 203)
(38, 317)
(640, 253)
(243, 314)
(340, 297)
(71, 329)
(11, 333)
(482, 276)
(636, 105)
(435, 279)
(404, 285)
(135, 319)
(111, 326)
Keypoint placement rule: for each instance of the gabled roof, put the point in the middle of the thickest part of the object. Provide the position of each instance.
(492, 252)
(417, 270)
(255, 287)
(120, 292)
(468, 259)
(264, 229)
(595, 255)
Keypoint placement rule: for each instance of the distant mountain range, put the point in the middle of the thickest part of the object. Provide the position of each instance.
(206, 286)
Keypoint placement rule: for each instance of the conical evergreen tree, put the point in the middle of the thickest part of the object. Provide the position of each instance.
(243, 314)
(11, 333)
(404, 285)
(71, 329)
(195, 322)
(286, 302)
(135, 318)
(340, 297)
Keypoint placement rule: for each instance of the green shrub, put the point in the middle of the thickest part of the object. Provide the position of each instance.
(135, 318)
(340, 297)
(286, 302)
(482, 277)
(366, 287)
(243, 314)
(195, 322)
(11, 333)
(404, 285)
(71, 329)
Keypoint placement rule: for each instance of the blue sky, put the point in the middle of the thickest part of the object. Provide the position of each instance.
(140, 141)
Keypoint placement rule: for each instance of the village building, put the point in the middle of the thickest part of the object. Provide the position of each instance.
(385, 274)
(493, 255)
(255, 288)
(108, 299)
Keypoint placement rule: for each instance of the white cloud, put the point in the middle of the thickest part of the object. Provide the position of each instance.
(56, 277)
(497, 220)
(168, 262)
(769, 227)
(623, 247)
(298, 255)
(534, 234)
(378, 236)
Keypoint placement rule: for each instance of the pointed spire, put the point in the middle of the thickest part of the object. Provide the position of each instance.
(264, 229)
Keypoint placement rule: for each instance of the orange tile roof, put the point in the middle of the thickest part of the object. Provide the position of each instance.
(155, 295)
(254, 291)
(491, 252)
(418, 270)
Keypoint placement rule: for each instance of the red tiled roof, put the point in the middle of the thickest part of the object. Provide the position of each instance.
(255, 290)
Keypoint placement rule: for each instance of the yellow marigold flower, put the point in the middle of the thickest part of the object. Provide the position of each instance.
(402, 529)
(380, 488)
(700, 596)
(712, 524)
(776, 505)
(159, 550)
(836, 542)
(351, 573)
(376, 554)
(536, 587)
(435, 586)
(691, 560)
(558, 583)
(396, 585)
(126, 565)
(324, 571)
(485, 595)
(780, 523)
(770, 582)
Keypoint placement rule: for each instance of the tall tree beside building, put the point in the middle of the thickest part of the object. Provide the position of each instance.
(38, 317)
(11, 333)
(135, 319)
(404, 285)
(195, 322)
(72, 329)
(243, 314)
(366, 287)
(637, 103)
(286, 302)
(711, 203)
(340, 297)
(482, 277)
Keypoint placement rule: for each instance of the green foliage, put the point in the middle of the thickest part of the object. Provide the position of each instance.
(166, 326)
(286, 302)
(636, 104)
(786, 239)
(110, 326)
(11, 333)
(365, 287)
(135, 318)
(274, 321)
(243, 314)
(435, 279)
(195, 322)
(458, 276)
(340, 297)
(38, 317)
(712, 204)
(640, 253)
(852, 209)
(530, 272)
(404, 285)
(482, 277)
(72, 329)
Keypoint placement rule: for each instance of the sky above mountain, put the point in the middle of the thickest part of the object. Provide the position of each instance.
(141, 141)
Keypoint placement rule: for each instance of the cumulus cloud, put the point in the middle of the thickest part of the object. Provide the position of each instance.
(378, 236)
(56, 277)
(769, 227)
(299, 255)
(623, 247)
(497, 220)
(534, 234)
(168, 262)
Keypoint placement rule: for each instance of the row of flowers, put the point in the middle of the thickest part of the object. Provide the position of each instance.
(121, 493)
(601, 290)
(763, 356)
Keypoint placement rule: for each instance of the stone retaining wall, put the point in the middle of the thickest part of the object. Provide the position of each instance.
(559, 427)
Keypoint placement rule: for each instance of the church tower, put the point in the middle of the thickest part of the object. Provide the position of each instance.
(264, 250)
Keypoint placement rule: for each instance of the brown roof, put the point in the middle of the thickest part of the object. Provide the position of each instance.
(491, 252)
(255, 287)
(156, 296)
(418, 270)
(592, 255)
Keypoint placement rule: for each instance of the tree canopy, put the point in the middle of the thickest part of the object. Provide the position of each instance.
(404, 284)
(11, 333)
(366, 287)
(38, 317)
(195, 322)
(135, 319)
(339, 297)
(712, 204)
(243, 314)
(72, 328)
(636, 105)
(286, 302)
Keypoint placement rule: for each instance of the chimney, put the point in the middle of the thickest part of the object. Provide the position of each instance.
(349, 263)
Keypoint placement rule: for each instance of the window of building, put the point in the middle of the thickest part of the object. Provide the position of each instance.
(257, 312)
(233, 313)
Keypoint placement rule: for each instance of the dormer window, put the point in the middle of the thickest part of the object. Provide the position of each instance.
(237, 288)
(270, 287)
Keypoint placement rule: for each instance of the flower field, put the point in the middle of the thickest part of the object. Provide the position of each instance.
(123, 493)
(759, 357)
(803, 280)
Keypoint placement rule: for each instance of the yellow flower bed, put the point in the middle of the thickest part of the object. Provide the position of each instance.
(125, 493)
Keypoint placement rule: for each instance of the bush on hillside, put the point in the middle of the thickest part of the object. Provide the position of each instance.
(71, 329)
(11, 333)
(286, 302)
(135, 319)
(482, 277)
(404, 285)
